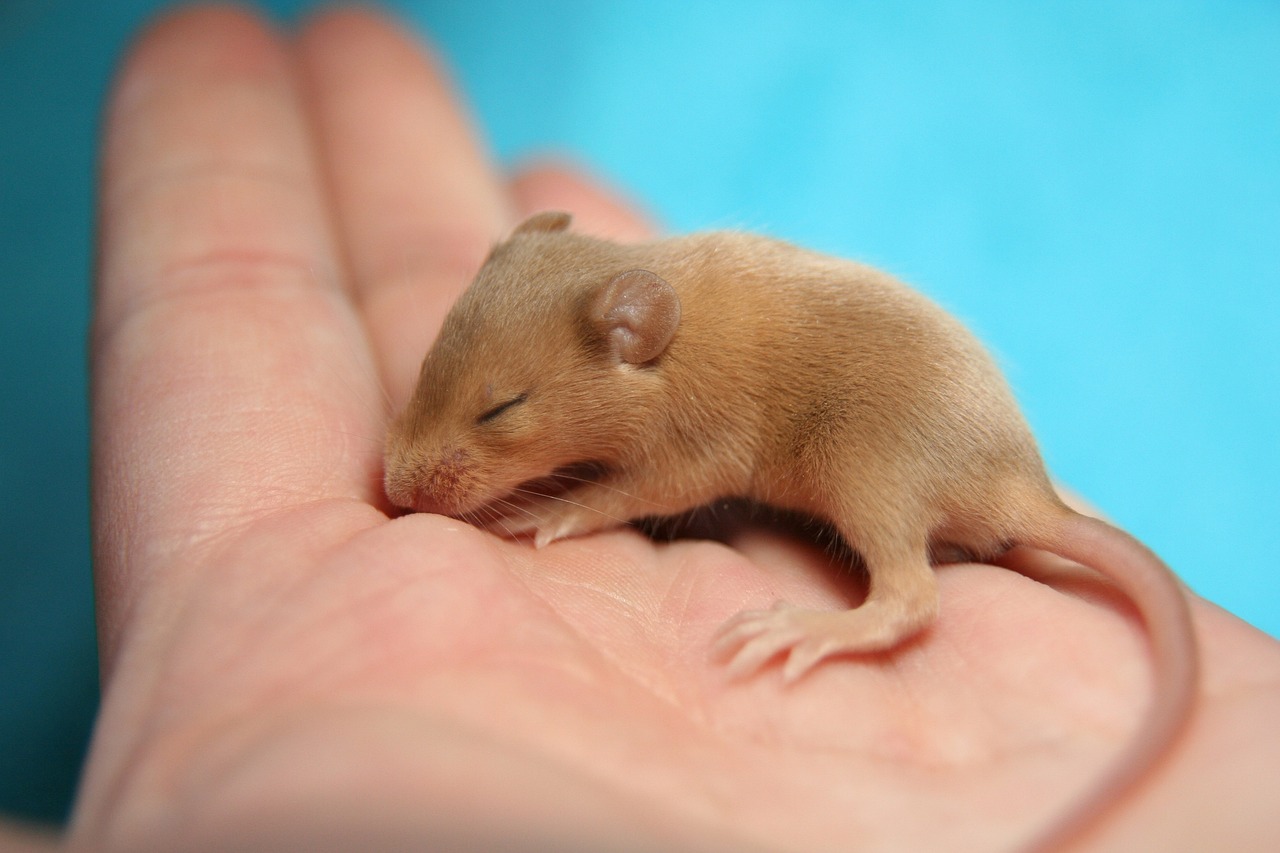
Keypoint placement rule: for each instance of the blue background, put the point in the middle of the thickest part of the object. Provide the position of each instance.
(1095, 187)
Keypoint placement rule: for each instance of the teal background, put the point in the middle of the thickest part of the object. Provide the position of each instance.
(1094, 186)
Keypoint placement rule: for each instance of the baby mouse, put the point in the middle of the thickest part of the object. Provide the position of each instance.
(579, 384)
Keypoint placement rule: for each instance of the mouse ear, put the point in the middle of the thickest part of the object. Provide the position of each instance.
(638, 313)
(547, 222)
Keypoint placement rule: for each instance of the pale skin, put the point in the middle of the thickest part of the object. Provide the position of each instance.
(283, 224)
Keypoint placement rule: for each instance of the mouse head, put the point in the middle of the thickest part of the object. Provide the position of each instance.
(543, 370)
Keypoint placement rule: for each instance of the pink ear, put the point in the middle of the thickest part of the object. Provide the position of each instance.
(638, 312)
(548, 221)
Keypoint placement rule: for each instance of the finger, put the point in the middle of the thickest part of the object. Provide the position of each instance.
(418, 204)
(596, 208)
(230, 377)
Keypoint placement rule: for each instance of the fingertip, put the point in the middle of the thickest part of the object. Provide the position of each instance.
(231, 36)
(183, 48)
(360, 26)
(598, 209)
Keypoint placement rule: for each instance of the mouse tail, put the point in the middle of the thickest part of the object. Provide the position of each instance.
(1159, 598)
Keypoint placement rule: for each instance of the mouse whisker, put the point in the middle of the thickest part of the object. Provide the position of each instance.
(499, 520)
(502, 510)
(570, 502)
(573, 478)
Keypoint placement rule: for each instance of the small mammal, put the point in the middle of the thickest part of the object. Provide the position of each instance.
(579, 384)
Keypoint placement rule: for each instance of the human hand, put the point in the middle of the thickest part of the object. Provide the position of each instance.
(285, 665)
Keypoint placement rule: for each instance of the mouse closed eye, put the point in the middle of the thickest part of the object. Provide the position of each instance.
(497, 411)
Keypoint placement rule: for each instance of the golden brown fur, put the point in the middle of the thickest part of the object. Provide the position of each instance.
(767, 372)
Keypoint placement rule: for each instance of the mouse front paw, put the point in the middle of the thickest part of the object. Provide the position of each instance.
(553, 523)
(555, 530)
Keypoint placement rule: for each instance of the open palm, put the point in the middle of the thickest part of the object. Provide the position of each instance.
(289, 665)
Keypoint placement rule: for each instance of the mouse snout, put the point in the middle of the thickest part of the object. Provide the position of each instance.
(437, 485)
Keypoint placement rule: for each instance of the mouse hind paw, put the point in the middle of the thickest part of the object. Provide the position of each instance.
(807, 637)
(754, 637)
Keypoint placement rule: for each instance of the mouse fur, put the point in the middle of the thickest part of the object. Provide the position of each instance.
(579, 384)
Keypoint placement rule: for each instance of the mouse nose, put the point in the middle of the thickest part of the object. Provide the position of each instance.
(437, 486)
(400, 491)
